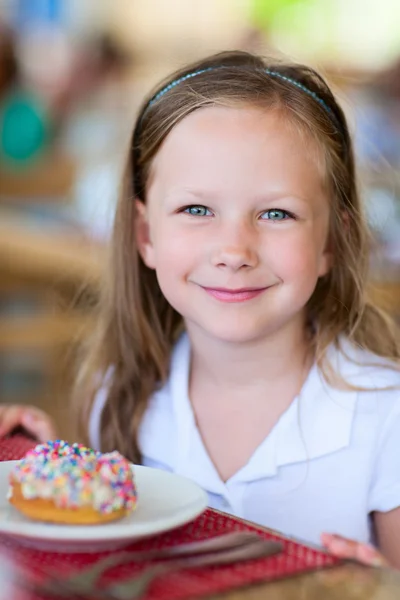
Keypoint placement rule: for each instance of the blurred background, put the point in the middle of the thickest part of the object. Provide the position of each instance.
(72, 74)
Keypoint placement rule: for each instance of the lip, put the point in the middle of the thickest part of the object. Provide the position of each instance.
(236, 295)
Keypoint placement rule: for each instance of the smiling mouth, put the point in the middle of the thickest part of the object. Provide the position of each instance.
(238, 295)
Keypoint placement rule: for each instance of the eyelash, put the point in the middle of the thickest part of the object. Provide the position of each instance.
(288, 215)
(187, 208)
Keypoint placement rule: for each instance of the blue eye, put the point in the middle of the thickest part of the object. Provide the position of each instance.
(197, 210)
(276, 214)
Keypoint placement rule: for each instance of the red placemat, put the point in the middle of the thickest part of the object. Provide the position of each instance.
(294, 560)
(15, 447)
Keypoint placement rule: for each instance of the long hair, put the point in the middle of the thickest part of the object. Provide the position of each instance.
(137, 327)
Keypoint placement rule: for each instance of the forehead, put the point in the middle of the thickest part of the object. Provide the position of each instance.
(238, 147)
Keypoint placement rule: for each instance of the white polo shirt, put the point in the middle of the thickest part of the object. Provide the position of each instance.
(331, 459)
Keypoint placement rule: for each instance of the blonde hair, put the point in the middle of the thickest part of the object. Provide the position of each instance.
(137, 327)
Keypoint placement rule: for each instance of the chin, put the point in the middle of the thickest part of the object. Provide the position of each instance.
(241, 329)
(233, 333)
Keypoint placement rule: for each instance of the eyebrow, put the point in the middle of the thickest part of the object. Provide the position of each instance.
(206, 196)
(280, 196)
(197, 194)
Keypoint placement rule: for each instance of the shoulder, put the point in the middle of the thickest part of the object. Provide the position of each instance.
(376, 379)
(362, 368)
(161, 408)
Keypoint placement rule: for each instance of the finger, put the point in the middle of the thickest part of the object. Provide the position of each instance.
(349, 549)
(370, 556)
(45, 431)
(339, 546)
(343, 548)
(10, 418)
(40, 425)
(326, 539)
(330, 537)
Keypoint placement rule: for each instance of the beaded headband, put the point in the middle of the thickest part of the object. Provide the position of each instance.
(275, 74)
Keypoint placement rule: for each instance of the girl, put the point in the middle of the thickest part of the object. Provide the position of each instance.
(236, 341)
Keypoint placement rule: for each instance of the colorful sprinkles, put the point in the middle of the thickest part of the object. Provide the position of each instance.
(74, 476)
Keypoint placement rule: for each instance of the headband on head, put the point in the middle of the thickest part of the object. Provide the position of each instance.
(275, 74)
(334, 119)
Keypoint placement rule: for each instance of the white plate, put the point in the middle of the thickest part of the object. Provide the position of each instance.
(165, 501)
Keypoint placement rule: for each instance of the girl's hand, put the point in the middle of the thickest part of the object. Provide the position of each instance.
(35, 421)
(344, 548)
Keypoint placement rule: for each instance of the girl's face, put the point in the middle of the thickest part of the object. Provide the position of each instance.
(236, 222)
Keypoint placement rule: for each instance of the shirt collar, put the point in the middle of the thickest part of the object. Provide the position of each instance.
(318, 422)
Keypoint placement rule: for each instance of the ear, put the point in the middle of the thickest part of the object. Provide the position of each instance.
(327, 258)
(143, 239)
(326, 262)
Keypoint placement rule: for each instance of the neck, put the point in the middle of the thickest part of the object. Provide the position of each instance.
(240, 365)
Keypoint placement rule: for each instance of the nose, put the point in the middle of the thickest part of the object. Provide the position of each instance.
(236, 247)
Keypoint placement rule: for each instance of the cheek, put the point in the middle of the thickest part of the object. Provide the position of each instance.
(173, 262)
(173, 253)
(298, 257)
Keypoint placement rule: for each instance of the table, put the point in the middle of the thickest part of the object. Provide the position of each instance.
(346, 582)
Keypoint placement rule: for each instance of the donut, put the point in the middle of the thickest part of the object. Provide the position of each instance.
(70, 484)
